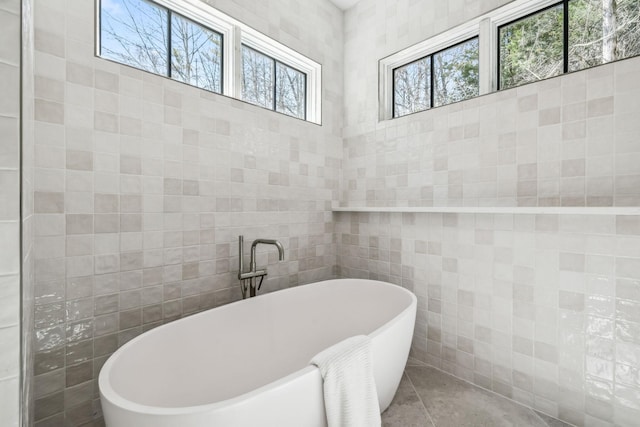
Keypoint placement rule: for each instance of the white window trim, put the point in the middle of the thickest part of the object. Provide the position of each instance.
(485, 26)
(288, 56)
(201, 13)
(235, 34)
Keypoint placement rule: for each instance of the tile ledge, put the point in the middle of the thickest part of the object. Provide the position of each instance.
(534, 210)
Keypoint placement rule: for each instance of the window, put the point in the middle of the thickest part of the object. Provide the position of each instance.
(290, 91)
(442, 78)
(602, 31)
(455, 73)
(257, 78)
(520, 42)
(134, 32)
(531, 48)
(412, 87)
(548, 43)
(146, 36)
(196, 54)
(191, 42)
(272, 84)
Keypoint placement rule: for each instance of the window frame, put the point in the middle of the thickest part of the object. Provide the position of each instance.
(485, 27)
(430, 83)
(170, 56)
(431, 77)
(433, 95)
(234, 35)
(565, 37)
(274, 102)
(312, 77)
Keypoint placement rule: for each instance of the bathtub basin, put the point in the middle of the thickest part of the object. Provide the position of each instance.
(247, 363)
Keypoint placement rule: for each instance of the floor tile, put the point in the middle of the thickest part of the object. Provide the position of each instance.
(551, 422)
(454, 403)
(406, 410)
(415, 362)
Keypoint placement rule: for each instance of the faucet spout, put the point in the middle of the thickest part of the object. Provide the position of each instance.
(276, 243)
(248, 278)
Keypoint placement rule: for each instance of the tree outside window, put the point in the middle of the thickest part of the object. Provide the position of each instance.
(452, 74)
(456, 74)
(600, 31)
(412, 87)
(272, 84)
(139, 33)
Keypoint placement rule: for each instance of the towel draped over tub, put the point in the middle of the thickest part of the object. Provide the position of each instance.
(350, 396)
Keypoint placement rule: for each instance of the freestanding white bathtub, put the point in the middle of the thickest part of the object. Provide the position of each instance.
(247, 363)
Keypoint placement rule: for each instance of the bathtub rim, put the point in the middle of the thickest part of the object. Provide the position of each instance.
(108, 393)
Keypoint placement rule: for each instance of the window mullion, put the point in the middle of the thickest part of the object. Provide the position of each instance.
(305, 96)
(392, 97)
(431, 83)
(487, 46)
(275, 83)
(169, 41)
(234, 70)
(565, 35)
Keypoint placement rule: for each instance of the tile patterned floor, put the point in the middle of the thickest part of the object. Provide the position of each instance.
(428, 397)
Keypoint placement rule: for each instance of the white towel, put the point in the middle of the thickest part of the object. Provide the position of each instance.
(350, 396)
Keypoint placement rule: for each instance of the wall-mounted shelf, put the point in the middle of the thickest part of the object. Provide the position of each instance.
(534, 210)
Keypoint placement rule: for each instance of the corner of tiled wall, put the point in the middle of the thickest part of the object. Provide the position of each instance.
(509, 302)
(540, 308)
(28, 165)
(10, 213)
(543, 308)
(143, 184)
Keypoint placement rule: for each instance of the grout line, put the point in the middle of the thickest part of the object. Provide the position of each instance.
(538, 416)
(533, 210)
(9, 63)
(10, 274)
(9, 378)
(535, 411)
(426, 411)
(494, 393)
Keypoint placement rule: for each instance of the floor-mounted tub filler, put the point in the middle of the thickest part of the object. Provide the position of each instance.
(247, 363)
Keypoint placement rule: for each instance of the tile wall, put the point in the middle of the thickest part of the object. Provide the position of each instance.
(10, 213)
(542, 309)
(28, 238)
(142, 186)
(566, 141)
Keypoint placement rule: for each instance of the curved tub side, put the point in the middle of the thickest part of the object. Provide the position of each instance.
(390, 353)
(298, 401)
(295, 400)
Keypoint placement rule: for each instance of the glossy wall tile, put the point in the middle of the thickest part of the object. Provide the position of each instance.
(539, 308)
(143, 184)
(10, 213)
(136, 187)
(566, 141)
(542, 309)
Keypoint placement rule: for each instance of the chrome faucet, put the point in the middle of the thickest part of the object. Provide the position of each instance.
(248, 278)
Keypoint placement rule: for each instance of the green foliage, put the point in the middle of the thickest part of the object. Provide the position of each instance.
(589, 32)
(456, 73)
(600, 31)
(455, 78)
(532, 49)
